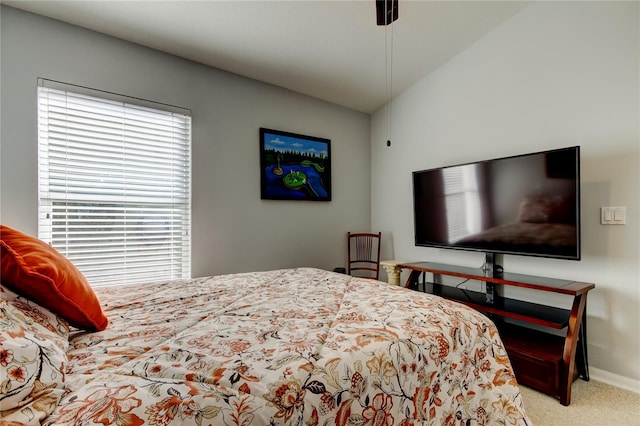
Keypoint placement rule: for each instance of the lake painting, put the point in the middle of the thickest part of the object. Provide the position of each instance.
(294, 167)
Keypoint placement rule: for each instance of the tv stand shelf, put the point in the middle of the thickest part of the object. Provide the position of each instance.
(547, 357)
(546, 316)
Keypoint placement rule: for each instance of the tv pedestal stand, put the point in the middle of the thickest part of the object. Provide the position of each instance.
(548, 356)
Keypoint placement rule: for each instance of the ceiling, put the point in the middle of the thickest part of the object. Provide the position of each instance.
(329, 49)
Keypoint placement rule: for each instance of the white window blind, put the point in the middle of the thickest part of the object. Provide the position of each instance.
(115, 187)
(462, 201)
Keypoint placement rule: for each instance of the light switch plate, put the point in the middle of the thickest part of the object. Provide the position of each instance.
(613, 215)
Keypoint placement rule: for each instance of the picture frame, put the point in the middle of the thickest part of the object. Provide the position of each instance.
(294, 166)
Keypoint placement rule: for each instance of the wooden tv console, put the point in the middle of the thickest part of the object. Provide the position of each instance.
(547, 345)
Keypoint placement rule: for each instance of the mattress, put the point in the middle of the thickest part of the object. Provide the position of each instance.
(292, 346)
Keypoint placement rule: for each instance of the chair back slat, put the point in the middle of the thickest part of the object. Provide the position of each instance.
(363, 254)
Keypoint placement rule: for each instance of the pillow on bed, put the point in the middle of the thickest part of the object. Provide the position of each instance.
(33, 358)
(38, 271)
(546, 209)
(535, 209)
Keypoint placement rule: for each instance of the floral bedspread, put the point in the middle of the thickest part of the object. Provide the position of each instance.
(296, 346)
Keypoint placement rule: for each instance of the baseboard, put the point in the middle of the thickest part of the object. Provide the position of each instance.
(614, 380)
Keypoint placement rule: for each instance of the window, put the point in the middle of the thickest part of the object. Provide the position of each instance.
(462, 201)
(114, 185)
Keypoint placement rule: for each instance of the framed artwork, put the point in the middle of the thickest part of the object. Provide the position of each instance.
(294, 167)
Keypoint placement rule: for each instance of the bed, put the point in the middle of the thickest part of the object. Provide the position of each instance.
(544, 224)
(551, 238)
(299, 346)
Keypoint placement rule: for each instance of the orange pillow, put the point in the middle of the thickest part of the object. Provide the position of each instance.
(36, 270)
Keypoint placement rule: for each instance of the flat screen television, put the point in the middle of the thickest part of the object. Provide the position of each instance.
(523, 205)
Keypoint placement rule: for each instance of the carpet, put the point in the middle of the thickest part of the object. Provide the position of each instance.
(592, 404)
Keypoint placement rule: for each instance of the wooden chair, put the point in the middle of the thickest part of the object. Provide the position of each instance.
(363, 254)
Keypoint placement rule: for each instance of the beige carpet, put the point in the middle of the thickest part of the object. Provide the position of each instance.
(592, 404)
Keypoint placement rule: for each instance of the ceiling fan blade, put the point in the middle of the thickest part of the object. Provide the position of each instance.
(386, 11)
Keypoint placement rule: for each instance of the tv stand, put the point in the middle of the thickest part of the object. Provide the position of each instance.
(491, 267)
(547, 345)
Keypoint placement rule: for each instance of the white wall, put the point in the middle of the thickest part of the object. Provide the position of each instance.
(557, 74)
(233, 230)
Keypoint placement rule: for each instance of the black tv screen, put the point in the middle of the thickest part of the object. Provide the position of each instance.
(526, 205)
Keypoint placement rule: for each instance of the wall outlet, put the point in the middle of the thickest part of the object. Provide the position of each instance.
(613, 215)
